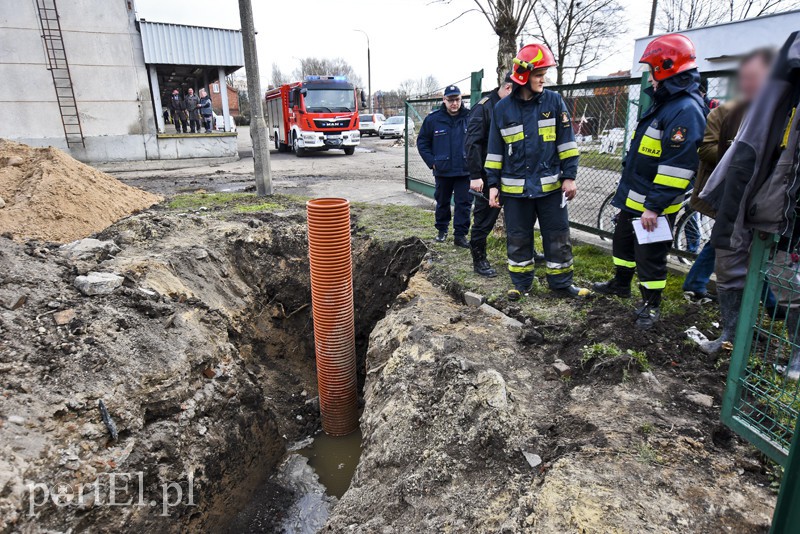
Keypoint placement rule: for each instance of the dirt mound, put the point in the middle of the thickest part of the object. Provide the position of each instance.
(52, 197)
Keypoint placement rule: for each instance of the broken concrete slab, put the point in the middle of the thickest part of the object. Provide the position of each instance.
(95, 283)
(64, 317)
(473, 299)
(701, 399)
(563, 370)
(505, 319)
(89, 248)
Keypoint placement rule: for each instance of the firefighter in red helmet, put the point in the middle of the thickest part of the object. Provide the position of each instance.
(531, 165)
(659, 168)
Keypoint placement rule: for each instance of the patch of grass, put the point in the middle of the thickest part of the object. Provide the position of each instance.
(601, 160)
(640, 357)
(395, 222)
(601, 351)
(251, 208)
(208, 200)
(646, 429)
(646, 454)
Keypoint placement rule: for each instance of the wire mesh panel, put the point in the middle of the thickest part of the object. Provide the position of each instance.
(762, 399)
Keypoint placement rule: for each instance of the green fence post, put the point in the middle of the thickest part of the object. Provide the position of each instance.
(476, 84)
(405, 113)
(787, 512)
(743, 342)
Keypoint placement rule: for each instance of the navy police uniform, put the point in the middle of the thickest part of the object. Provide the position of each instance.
(532, 150)
(441, 145)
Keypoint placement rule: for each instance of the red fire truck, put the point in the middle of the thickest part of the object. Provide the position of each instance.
(319, 113)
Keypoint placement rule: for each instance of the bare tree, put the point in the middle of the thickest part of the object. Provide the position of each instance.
(580, 33)
(278, 77)
(677, 15)
(327, 67)
(421, 87)
(507, 18)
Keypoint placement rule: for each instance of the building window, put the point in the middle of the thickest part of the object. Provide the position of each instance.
(215, 88)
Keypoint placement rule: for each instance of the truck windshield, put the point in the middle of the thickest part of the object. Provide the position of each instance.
(330, 100)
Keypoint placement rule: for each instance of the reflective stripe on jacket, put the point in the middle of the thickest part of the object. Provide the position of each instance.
(662, 159)
(532, 145)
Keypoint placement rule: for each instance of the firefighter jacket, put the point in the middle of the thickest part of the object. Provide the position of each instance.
(532, 146)
(755, 186)
(662, 159)
(477, 142)
(441, 142)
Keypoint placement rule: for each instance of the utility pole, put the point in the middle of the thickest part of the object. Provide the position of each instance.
(653, 17)
(369, 71)
(258, 128)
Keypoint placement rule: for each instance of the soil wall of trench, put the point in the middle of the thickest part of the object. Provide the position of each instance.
(203, 359)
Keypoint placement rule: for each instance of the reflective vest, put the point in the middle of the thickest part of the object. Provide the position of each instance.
(532, 146)
(662, 160)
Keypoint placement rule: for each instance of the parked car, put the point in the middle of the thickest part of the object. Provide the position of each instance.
(370, 124)
(395, 127)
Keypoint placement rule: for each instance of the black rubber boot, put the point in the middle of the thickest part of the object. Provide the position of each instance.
(461, 241)
(613, 287)
(730, 301)
(441, 236)
(480, 264)
(649, 312)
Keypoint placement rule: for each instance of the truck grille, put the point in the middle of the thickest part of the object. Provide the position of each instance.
(332, 123)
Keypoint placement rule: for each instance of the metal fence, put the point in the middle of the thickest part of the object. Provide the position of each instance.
(762, 395)
(604, 116)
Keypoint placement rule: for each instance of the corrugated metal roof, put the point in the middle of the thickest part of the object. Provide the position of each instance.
(176, 44)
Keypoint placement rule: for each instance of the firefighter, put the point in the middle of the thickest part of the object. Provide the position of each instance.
(531, 166)
(659, 167)
(484, 216)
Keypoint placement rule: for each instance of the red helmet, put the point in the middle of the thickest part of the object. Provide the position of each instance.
(668, 55)
(530, 58)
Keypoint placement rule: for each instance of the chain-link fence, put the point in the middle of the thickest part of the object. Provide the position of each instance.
(604, 116)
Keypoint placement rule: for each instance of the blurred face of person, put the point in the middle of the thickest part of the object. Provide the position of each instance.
(652, 80)
(191, 91)
(202, 92)
(453, 104)
(751, 77)
(505, 90)
(536, 80)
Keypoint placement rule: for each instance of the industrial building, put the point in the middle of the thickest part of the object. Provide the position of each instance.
(88, 78)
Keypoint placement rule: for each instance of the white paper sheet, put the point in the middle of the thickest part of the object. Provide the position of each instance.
(661, 233)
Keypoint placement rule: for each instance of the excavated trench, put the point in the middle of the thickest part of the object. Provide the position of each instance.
(275, 336)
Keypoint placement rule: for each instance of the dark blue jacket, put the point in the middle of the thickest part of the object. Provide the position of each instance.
(531, 145)
(441, 142)
(663, 158)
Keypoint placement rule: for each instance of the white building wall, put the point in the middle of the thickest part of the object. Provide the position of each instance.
(731, 39)
(109, 79)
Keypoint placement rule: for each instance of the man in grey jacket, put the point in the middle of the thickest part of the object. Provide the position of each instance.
(193, 109)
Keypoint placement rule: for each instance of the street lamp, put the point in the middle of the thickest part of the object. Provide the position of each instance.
(369, 70)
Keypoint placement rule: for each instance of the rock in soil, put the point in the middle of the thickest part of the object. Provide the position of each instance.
(98, 283)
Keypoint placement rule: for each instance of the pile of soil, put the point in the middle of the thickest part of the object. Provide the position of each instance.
(50, 196)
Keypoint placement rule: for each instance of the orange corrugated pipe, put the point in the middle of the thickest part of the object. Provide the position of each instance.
(332, 306)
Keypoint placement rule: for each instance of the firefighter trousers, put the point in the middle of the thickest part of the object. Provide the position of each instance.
(650, 260)
(520, 215)
(484, 218)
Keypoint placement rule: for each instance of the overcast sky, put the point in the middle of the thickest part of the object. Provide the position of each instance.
(404, 38)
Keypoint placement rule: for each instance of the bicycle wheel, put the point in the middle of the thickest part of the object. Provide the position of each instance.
(692, 232)
(607, 217)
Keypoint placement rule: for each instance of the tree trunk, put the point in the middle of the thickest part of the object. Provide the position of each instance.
(506, 50)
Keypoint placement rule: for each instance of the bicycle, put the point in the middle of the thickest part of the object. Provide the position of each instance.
(691, 232)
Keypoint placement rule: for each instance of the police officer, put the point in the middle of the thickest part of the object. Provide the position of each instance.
(659, 167)
(441, 145)
(531, 165)
(484, 216)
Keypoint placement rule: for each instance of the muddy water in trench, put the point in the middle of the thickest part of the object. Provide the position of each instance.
(299, 496)
(334, 460)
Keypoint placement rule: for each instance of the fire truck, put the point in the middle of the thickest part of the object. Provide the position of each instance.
(320, 113)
